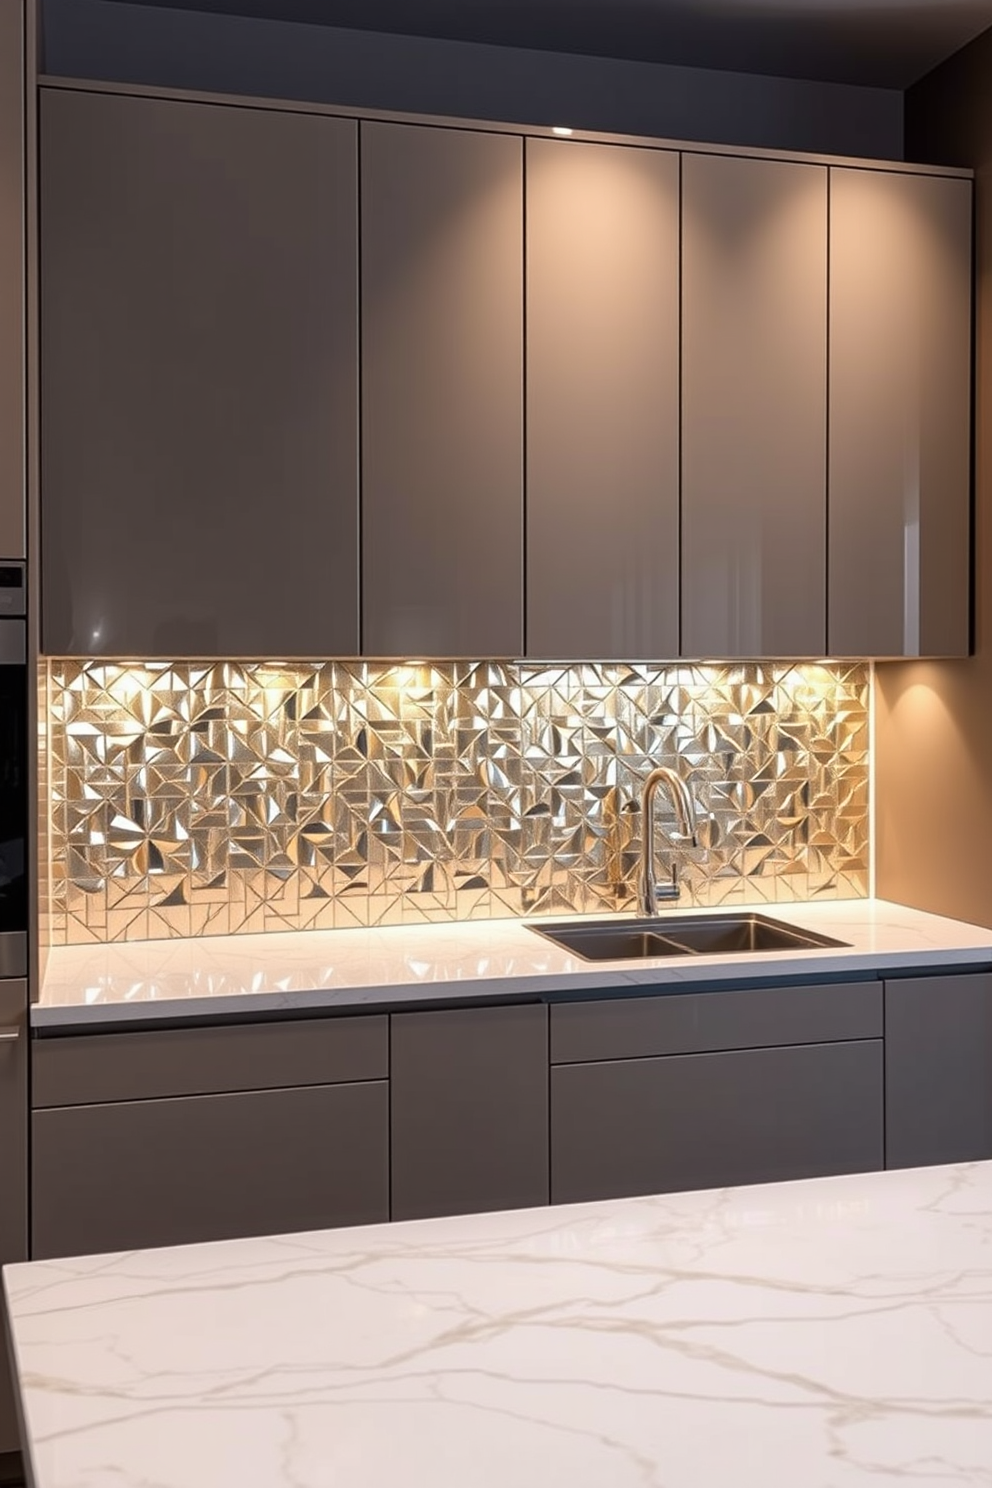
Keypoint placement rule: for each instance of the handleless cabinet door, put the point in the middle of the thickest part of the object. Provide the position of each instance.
(602, 401)
(13, 1169)
(199, 372)
(469, 1110)
(12, 185)
(754, 368)
(442, 392)
(900, 414)
(938, 1070)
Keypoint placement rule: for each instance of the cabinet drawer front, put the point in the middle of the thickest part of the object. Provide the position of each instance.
(173, 1172)
(698, 1022)
(101, 1067)
(710, 1120)
(938, 1070)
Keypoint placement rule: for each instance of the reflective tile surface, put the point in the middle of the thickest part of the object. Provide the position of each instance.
(219, 797)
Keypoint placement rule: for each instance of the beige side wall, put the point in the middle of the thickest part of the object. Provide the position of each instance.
(933, 757)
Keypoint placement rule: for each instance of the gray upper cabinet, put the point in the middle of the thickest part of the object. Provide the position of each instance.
(602, 401)
(442, 391)
(900, 414)
(199, 379)
(754, 369)
(12, 422)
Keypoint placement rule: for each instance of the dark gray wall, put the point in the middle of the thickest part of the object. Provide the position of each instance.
(934, 720)
(370, 70)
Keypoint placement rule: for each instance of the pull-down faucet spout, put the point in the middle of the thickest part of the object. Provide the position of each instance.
(651, 892)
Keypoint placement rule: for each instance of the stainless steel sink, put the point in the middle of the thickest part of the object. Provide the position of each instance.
(700, 935)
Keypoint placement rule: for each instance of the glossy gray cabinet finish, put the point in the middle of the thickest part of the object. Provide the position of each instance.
(199, 372)
(701, 1022)
(469, 1110)
(13, 1170)
(938, 1070)
(707, 1120)
(96, 1068)
(210, 1167)
(602, 401)
(12, 286)
(754, 411)
(442, 392)
(900, 414)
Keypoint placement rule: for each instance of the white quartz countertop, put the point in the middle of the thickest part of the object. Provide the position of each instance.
(482, 960)
(820, 1334)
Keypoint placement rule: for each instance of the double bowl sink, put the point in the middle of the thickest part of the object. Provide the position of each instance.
(700, 935)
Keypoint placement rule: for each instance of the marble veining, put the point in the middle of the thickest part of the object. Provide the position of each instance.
(405, 964)
(834, 1333)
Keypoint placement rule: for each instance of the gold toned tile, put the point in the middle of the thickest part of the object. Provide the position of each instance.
(223, 797)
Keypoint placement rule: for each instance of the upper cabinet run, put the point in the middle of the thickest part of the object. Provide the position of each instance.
(754, 411)
(442, 391)
(199, 483)
(12, 419)
(602, 401)
(900, 414)
(318, 386)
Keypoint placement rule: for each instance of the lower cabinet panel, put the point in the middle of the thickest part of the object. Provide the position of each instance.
(938, 1070)
(469, 1110)
(13, 1175)
(638, 1126)
(171, 1172)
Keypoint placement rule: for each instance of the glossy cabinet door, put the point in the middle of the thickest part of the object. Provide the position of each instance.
(208, 1167)
(12, 349)
(468, 1110)
(658, 1125)
(199, 379)
(13, 1170)
(442, 392)
(602, 401)
(938, 1070)
(900, 414)
(754, 416)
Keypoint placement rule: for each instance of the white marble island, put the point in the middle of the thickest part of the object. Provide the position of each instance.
(818, 1334)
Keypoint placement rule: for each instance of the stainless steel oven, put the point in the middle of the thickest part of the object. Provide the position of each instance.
(14, 737)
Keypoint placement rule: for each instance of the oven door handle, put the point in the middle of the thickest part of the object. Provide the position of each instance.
(9, 1035)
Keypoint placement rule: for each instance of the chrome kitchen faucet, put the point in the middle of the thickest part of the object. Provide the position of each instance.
(685, 813)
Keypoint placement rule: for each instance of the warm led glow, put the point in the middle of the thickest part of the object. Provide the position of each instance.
(562, 131)
(228, 797)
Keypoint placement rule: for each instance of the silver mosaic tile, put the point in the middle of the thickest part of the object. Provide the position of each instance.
(219, 797)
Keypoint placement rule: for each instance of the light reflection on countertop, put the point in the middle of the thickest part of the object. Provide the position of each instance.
(397, 966)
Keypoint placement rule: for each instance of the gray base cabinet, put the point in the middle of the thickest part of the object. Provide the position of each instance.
(13, 1170)
(201, 1133)
(624, 1127)
(938, 1070)
(192, 1134)
(171, 1172)
(469, 1110)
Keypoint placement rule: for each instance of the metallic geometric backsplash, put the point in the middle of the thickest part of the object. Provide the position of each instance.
(218, 797)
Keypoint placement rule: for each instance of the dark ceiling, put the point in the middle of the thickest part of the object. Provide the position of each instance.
(885, 43)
